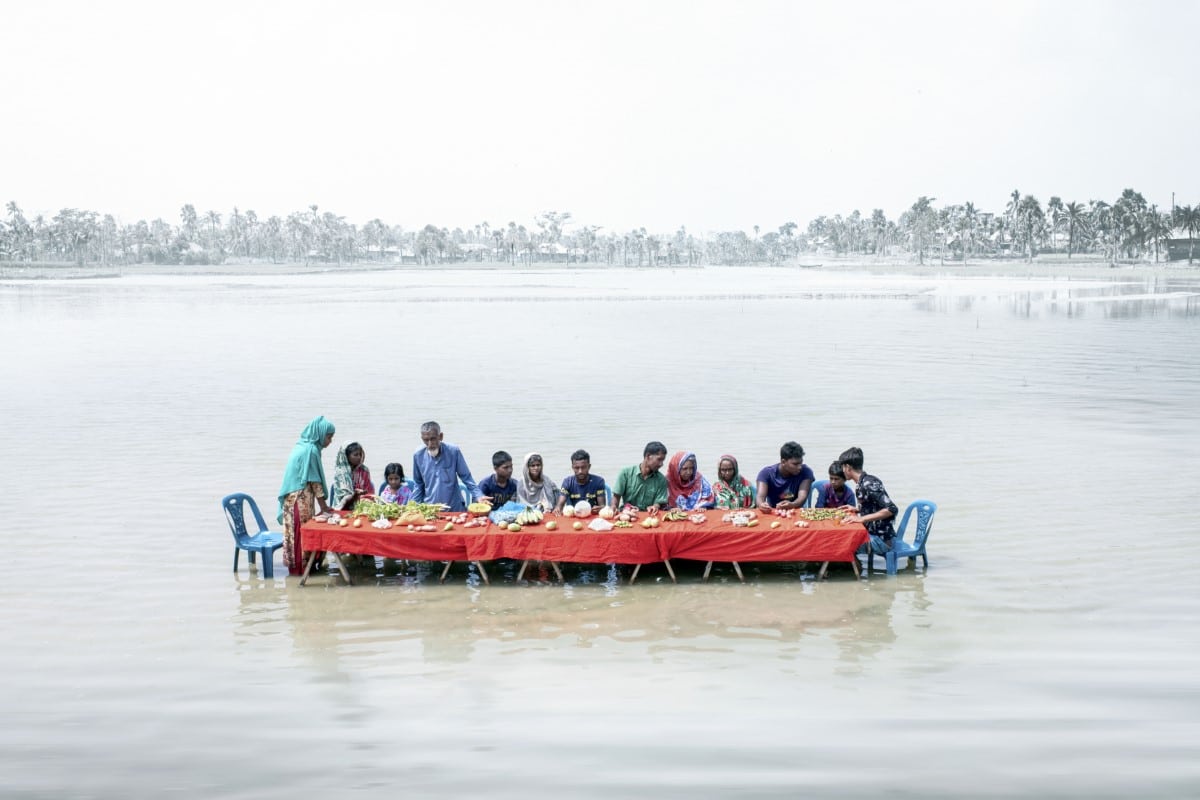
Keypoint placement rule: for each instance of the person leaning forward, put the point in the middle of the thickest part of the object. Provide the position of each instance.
(643, 485)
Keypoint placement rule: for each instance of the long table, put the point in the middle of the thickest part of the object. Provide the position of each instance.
(713, 540)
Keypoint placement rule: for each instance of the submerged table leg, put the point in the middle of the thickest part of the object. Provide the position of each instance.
(821, 573)
(707, 570)
(445, 572)
(482, 573)
(738, 569)
(342, 568)
(636, 568)
(312, 556)
(670, 571)
(854, 564)
(521, 571)
(557, 571)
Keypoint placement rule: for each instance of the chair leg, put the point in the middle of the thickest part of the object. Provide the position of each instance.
(236, 552)
(890, 560)
(738, 569)
(924, 561)
(268, 564)
(250, 555)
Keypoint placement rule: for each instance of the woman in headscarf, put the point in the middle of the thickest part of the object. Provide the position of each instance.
(732, 490)
(687, 489)
(303, 484)
(533, 487)
(351, 478)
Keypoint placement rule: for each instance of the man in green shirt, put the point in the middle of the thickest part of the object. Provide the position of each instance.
(642, 485)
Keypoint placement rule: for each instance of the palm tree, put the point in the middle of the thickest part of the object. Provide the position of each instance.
(1076, 218)
(1188, 218)
(968, 221)
(920, 221)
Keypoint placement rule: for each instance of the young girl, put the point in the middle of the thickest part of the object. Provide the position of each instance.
(351, 478)
(396, 491)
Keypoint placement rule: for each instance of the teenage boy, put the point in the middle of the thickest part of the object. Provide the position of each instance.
(642, 485)
(786, 484)
(437, 469)
(581, 484)
(500, 486)
(875, 509)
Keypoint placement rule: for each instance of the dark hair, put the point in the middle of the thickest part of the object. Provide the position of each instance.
(393, 469)
(581, 455)
(791, 450)
(353, 447)
(835, 469)
(852, 458)
(500, 457)
(654, 448)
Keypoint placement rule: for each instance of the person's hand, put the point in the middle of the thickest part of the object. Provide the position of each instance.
(654, 509)
(853, 518)
(485, 499)
(765, 508)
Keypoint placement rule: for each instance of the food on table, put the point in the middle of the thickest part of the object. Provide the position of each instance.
(514, 527)
(815, 514)
(551, 525)
(606, 512)
(449, 526)
(675, 515)
(578, 525)
(530, 516)
(698, 519)
(358, 522)
(568, 510)
(479, 508)
(583, 509)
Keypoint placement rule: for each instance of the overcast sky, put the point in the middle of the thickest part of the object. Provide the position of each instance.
(713, 115)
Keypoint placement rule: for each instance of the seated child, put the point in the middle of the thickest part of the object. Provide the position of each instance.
(500, 487)
(396, 491)
(351, 478)
(836, 493)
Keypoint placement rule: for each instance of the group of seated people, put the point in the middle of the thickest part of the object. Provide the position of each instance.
(438, 469)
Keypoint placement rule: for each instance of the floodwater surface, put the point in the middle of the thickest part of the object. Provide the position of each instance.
(1049, 649)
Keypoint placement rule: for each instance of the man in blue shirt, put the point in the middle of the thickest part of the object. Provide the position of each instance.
(437, 469)
(581, 484)
(786, 484)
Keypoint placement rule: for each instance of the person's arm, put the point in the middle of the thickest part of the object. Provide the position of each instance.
(418, 493)
(802, 494)
(660, 499)
(319, 491)
(561, 501)
(761, 500)
(464, 475)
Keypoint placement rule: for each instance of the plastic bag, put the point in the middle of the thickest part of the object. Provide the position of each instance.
(506, 513)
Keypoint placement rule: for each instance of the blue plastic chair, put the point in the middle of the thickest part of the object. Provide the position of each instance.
(409, 482)
(607, 494)
(902, 549)
(265, 542)
(465, 492)
(815, 491)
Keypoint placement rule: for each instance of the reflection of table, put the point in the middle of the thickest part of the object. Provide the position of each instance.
(713, 540)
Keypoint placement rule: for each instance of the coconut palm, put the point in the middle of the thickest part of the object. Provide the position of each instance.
(1075, 216)
(1188, 218)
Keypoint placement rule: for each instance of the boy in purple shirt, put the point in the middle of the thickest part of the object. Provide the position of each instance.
(786, 484)
(836, 493)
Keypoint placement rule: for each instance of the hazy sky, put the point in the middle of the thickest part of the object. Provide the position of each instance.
(714, 115)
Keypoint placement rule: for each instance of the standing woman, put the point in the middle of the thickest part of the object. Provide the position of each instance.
(687, 489)
(533, 487)
(303, 483)
(733, 491)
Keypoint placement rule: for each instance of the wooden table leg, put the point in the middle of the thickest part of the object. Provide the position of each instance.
(521, 571)
(670, 571)
(738, 569)
(557, 571)
(854, 564)
(636, 568)
(342, 568)
(312, 556)
(707, 569)
(445, 572)
(821, 573)
(483, 573)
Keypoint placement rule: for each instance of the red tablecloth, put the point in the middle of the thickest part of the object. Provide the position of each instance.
(710, 541)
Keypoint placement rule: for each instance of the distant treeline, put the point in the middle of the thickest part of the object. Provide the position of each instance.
(1127, 228)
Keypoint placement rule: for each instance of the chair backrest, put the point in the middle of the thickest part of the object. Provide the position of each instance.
(235, 515)
(817, 489)
(465, 492)
(925, 511)
(409, 482)
(607, 494)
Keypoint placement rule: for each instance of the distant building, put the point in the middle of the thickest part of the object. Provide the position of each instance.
(1178, 245)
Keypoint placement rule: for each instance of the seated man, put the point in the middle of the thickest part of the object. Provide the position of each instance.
(437, 469)
(581, 484)
(642, 485)
(875, 509)
(786, 484)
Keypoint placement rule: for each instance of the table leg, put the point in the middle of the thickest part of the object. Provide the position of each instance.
(854, 564)
(707, 569)
(521, 571)
(670, 571)
(738, 569)
(312, 556)
(342, 568)
(636, 568)
(557, 571)
(821, 573)
(445, 572)
(483, 573)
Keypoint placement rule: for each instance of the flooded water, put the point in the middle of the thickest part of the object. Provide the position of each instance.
(1049, 649)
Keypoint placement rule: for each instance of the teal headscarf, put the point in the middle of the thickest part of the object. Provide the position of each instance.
(304, 464)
